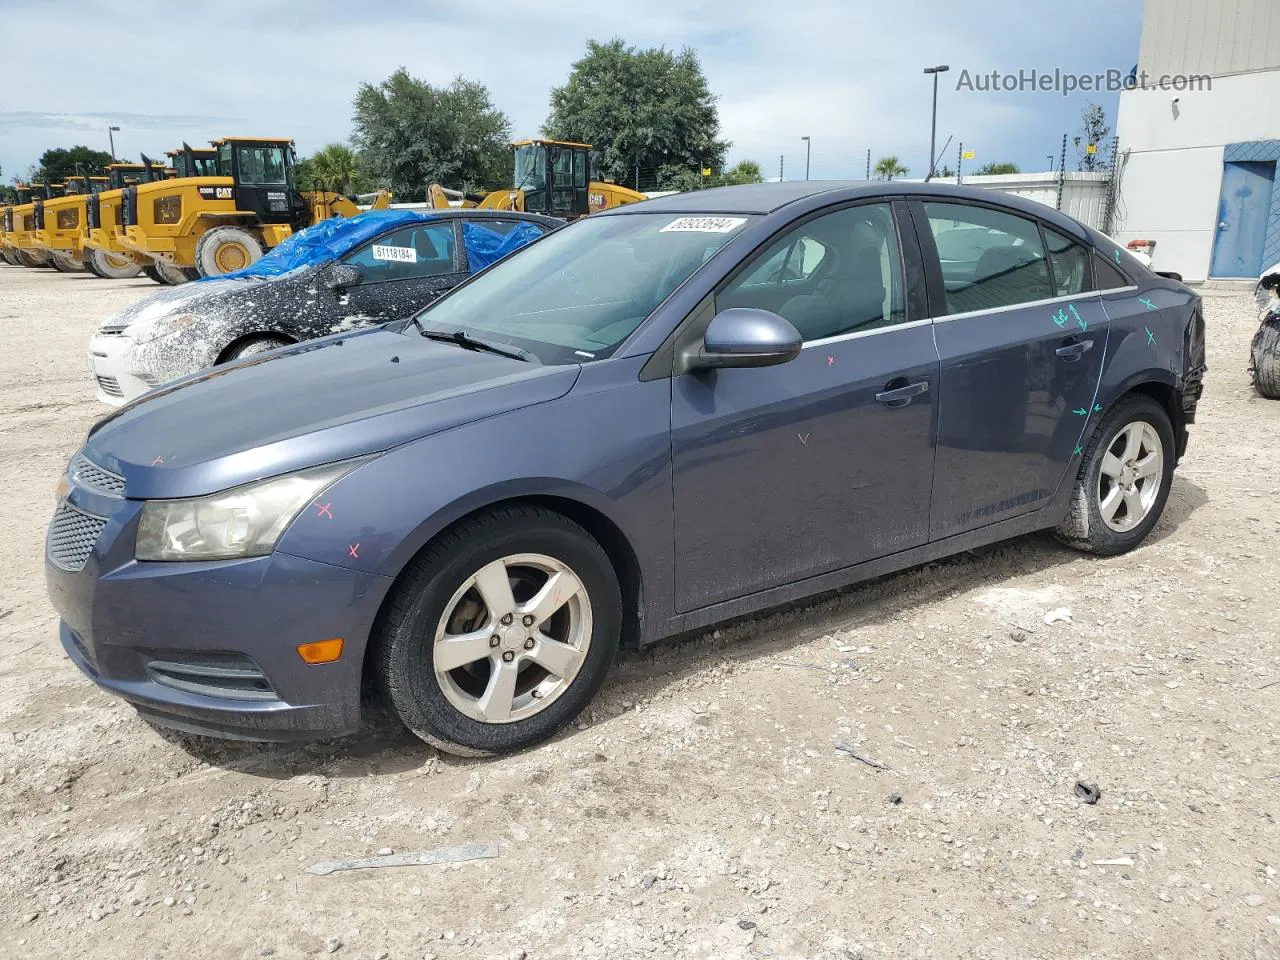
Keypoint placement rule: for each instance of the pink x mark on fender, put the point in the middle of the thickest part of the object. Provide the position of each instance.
(157, 461)
(354, 550)
(322, 510)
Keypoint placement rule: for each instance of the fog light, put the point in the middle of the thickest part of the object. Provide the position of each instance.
(322, 651)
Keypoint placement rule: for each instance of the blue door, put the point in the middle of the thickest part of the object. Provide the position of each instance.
(1021, 340)
(1243, 212)
(795, 470)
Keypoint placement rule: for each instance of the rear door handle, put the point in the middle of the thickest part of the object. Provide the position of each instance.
(1074, 351)
(899, 394)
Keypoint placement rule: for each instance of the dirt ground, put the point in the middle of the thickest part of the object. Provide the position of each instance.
(701, 808)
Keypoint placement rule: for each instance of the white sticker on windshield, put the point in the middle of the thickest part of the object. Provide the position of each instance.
(704, 225)
(398, 254)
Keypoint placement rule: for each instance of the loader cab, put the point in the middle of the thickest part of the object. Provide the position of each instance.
(98, 184)
(74, 186)
(189, 162)
(265, 185)
(554, 176)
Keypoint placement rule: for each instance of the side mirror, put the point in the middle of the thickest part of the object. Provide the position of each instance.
(746, 337)
(340, 276)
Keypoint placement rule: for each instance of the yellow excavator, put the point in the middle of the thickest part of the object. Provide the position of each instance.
(212, 223)
(552, 177)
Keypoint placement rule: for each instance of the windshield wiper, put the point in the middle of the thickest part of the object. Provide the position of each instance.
(464, 339)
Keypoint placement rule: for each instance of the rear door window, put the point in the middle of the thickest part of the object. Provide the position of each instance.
(989, 259)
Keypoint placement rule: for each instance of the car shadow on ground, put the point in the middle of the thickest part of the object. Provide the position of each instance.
(383, 746)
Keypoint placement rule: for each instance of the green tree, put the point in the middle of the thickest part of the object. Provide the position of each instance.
(643, 110)
(411, 134)
(995, 169)
(887, 168)
(59, 163)
(745, 171)
(1093, 133)
(334, 165)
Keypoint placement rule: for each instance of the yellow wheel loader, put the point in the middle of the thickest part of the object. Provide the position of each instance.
(552, 177)
(60, 225)
(26, 215)
(215, 224)
(103, 235)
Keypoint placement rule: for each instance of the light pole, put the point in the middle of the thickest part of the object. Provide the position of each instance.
(933, 126)
(807, 145)
(112, 141)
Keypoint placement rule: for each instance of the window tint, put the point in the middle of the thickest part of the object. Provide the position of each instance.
(1070, 264)
(989, 259)
(423, 250)
(1107, 276)
(836, 274)
(262, 166)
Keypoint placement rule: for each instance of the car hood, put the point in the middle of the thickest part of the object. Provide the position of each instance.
(138, 317)
(308, 404)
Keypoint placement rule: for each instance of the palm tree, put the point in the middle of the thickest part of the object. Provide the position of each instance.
(334, 165)
(888, 167)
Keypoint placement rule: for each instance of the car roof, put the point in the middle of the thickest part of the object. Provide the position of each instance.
(765, 198)
(477, 213)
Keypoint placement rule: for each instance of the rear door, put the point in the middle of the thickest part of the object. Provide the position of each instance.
(403, 270)
(1021, 337)
(790, 471)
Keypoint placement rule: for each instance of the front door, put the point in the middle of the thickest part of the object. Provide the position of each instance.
(1021, 337)
(403, 271)
(1243, 212)
(790, 471)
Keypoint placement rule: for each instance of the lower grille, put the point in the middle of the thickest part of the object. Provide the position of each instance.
(72, 536)
(110, 386)
(230, 676)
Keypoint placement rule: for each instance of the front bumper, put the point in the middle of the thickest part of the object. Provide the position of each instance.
(211, 647)
(114, 371)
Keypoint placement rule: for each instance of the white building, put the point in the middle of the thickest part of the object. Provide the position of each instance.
(1197, 167)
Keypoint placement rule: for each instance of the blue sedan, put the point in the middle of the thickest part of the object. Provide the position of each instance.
(655, 419)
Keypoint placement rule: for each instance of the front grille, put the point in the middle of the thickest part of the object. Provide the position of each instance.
(88, 474)
(72, 536)
(110, 386)
(231, 676)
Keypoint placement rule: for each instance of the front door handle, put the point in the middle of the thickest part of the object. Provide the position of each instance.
(898, 393)
(1072, 352)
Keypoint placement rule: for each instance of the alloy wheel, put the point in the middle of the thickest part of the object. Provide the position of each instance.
(1131, 473)
(512, 638)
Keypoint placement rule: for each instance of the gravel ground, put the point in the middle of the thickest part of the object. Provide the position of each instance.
(701, 809)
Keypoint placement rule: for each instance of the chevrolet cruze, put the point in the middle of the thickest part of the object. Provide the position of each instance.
(654, 419)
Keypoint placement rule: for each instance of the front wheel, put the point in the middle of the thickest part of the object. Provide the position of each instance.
(501, 632)
(1124, 479)
(226, 250)
(1264, 360)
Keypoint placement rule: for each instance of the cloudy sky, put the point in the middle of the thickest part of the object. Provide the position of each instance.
(845, 72)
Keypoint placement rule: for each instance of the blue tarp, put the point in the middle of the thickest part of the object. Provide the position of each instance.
(484, 246)
(327, 240)
(330, 239)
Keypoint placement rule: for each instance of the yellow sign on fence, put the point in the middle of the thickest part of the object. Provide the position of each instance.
(1091, 149)
(968, 155)
(706, 171)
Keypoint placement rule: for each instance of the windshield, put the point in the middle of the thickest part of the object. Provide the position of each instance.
(531, 169)
(580, 291)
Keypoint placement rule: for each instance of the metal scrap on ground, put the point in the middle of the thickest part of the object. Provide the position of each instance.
(869, 761)
(469, 851)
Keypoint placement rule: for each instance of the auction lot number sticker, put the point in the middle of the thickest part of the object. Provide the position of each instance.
(704, 225)
(398, 254)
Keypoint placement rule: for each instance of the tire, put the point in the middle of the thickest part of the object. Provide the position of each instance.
(29, 258)
(431, 596)
(169, 274)
(1136, 420)
(1264, 367)
(113, 266)
(225, 250)
(247, 348)
(153, 272)
(65, 264)
(11, 258)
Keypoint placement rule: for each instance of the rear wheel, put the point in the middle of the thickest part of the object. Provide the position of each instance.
(225, 250)
(113, 266)
(30, 258)
(65, 264)
(248, 348)
(170, 274)
(500, 632)
(1265, 361)
(1124, 479)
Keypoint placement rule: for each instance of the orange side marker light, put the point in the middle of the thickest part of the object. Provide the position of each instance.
(322, 651)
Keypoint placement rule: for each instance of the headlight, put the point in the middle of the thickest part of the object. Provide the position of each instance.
(242, 522)
(162, 327)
